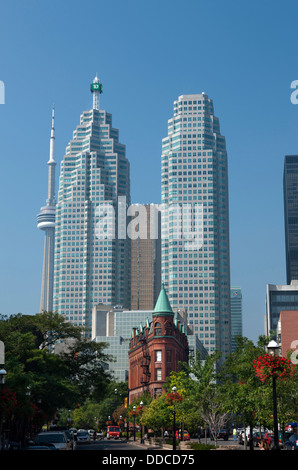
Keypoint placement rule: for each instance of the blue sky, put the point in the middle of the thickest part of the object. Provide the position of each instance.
(242, 54)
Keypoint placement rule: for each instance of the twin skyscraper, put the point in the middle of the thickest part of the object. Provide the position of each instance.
(87, 253)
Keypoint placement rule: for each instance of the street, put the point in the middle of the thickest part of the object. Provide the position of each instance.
(110, 445)
(122, 445)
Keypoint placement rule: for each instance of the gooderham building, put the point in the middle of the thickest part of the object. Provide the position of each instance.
(155, 350)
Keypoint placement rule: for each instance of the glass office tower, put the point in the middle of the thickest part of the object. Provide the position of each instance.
(279, 298)
(195, 174)
(92, 261)
(291, 216)
(236, 314)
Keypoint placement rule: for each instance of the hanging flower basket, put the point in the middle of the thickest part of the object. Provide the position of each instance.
(135, 412)
(8, 401)
(173, 397)
(269, 366)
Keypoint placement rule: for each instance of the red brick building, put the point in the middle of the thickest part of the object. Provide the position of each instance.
(287, 331)
(155, 350)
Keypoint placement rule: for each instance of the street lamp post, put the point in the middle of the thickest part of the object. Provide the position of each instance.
(273, 350)
(2, 382)
(141, 405)
(174, 422)
(127, 417)
(127, 427)
(134, 423)
(116, 398)
(2, 378)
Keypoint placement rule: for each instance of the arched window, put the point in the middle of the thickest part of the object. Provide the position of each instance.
(157, 329)
(168, 329)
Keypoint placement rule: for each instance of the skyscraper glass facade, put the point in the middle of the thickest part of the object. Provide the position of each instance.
(92, 262)
(236, 314)
(291, 216)
(279, 298)
(195, 172)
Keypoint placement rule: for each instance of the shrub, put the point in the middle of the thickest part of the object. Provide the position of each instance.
(198, 446)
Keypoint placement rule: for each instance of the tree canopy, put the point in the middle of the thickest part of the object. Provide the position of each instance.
(45, 380)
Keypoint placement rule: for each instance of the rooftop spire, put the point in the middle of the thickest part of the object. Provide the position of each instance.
(96, 90)
(52, 141)
(162, 305)
(46, 222)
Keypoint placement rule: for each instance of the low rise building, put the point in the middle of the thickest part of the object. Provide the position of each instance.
(155, 350)
(287, 333)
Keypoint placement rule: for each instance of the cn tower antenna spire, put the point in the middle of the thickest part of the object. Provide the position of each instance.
(52, 140)
(46, 222)
(96, 90)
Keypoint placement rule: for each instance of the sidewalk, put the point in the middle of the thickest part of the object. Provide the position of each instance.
(184, 445)
(147, 444)
(151, 444)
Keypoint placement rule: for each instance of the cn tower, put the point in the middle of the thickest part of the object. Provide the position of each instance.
(46, 222)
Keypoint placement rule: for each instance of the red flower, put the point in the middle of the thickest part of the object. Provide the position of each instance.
(8, 400)
(173, 397)
(137, 411)
(269, 366)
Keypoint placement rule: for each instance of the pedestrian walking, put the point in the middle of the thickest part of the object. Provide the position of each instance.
(263, 445)
(235, 434)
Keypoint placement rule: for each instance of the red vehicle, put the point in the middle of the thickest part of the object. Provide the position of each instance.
(186, 436)
(269, 437)
(113, 432)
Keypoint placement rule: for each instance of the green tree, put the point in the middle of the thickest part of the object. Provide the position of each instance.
(43, 381)
(242, 393)
(196, 381)
(87, 416)
(246, 396)
(157, 415)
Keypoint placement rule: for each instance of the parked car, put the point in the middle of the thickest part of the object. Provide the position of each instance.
(33, 447)
(284, 437)
(292, 442)
(113, 432)
(59, 439)
(83, 437)
(186, 436)
(269, 438)
(256, 438)
(100, 435)
(241, 437)
(223, 434)
(74, 432)
(70, 436)
(68, 431)
(203, 433)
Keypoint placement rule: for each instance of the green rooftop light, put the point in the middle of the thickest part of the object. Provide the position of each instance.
(96, 87)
